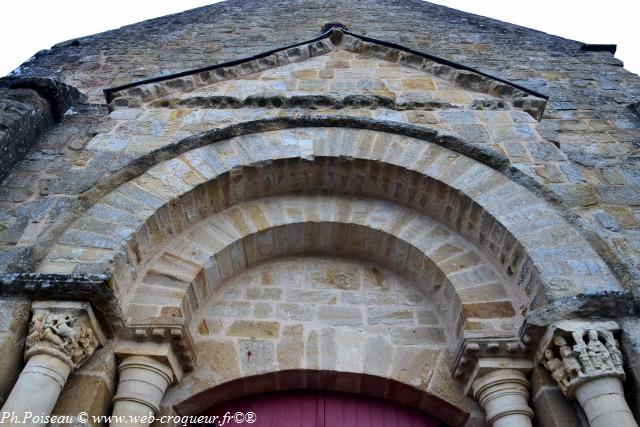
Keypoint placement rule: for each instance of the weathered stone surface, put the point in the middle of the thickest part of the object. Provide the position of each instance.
(486, 206)
(91, 388)
(24, 115)
(257, 356)
(14, 320)
(254, 329)
(291, 348)
(551, 407)
(340, 316)
(630, 343)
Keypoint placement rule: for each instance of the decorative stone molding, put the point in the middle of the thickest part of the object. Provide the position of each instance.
(175, 337)
(461, 76)
(493, 371)
(66, 330)
(148, 367)
(95, 289)
(585, 360)
(579, 351)
(486, 349)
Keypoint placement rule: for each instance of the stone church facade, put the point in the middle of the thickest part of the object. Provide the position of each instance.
(381, 197)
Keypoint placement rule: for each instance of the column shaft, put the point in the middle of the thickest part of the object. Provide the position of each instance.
(38, 387)
(62, 336)
(141, 386)
(604, 403)
(504, 395)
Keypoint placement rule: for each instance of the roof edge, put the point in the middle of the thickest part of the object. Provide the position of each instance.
(334, 29)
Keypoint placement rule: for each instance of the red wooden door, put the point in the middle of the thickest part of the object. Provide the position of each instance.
(311, 408)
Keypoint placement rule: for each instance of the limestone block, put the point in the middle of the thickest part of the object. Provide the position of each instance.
(340, 316)
(630, 343)
(390, 315)
(378, 355)
(14, 320)
(90, 388)
(291, 347)
(257, 356)
(254, 329)
(550, 406)
(414, 365)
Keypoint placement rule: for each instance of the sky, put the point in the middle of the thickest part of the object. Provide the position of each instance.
(27, 26)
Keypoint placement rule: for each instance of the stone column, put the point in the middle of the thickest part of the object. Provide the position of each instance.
(504, 396)
(141, 386)
(146, 370)
(62, 336)
(494, 372)
(585, 361)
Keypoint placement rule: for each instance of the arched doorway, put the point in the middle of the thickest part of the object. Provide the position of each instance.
(319, 408)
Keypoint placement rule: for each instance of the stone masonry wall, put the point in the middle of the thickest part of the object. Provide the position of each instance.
(97, 183)
(586, 116)
(24, 115)
(321, 314)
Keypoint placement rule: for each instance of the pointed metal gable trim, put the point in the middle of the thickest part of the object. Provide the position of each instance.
(335, 28)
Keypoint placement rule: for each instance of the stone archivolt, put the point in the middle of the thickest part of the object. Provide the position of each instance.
(198, 214)
(208, 214)
(594, 353)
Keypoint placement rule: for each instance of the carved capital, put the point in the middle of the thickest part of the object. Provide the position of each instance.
(575, 352)
(478, 356)
(63, 329)
(170, 344)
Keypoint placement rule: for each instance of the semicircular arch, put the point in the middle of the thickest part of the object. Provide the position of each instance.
(468, 292)
(510, 223)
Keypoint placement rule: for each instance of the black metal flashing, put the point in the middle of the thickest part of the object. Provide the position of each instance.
(444, 61)
(330, 28)
(108, 91)
(611, 48)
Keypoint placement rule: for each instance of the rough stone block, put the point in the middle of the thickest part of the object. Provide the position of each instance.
(259, 329)
(14, 319)
(340, 316)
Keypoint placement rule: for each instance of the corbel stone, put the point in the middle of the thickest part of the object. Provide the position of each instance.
(173, 337)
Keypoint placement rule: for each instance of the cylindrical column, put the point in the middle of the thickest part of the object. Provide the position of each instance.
(141, 386)
(62, 336)
(604, 404)
(504, 396)
(37, 389)
(584, 358)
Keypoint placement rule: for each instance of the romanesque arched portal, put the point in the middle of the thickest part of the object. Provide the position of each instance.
(342, 215)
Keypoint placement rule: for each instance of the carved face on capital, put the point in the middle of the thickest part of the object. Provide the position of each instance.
(548, 354)
(560, 341)
(593, 335)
